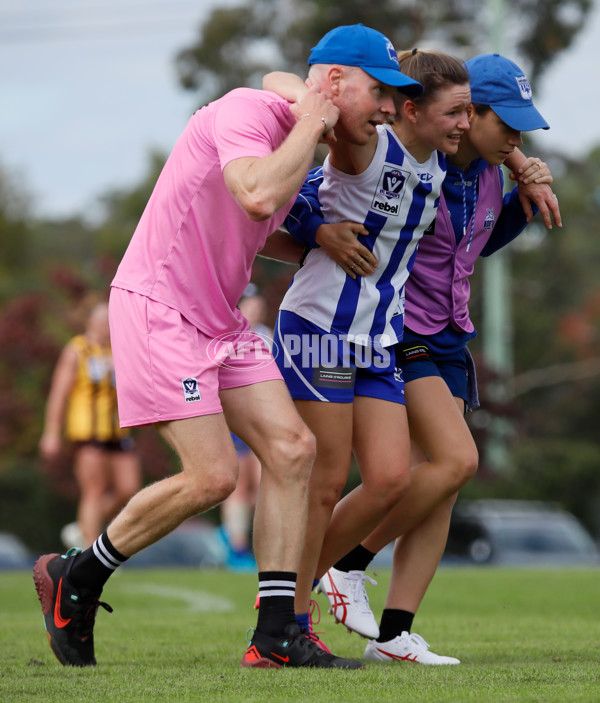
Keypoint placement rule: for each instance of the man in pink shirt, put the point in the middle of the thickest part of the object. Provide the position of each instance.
(185, 358)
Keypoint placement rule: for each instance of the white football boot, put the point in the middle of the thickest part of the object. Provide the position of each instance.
(349, 601)
(407, 647)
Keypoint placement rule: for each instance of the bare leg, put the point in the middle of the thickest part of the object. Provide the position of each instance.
(91, 473)
(126, 479)
(209, 473)
(382, 449)
(237, 509)
(437, 425)
(416, 558)
(332, 425)
(264, 416)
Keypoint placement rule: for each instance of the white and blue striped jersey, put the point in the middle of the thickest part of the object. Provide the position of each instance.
(396, 199)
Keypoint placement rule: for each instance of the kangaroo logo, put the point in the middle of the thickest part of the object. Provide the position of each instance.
(392, 52)
(490, 219)
(524, 87)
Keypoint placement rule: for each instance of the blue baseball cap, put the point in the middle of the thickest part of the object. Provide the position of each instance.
(357, 45)
(501, 84)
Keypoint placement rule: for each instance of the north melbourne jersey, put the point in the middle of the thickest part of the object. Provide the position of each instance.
(396, 199)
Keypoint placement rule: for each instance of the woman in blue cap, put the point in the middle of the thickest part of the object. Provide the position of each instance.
(474, 219)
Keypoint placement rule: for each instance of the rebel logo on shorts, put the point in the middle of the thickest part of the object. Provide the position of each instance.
(390, 191)
(191, 392)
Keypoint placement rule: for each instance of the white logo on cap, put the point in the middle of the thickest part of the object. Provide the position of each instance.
(392, 52)
(524, 87)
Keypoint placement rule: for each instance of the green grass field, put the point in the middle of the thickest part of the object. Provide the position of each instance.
(522, 635)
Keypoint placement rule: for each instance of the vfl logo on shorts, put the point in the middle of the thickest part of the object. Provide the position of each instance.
(191, 392)
(390, 191)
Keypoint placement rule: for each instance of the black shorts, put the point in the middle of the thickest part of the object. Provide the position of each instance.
(125, 444)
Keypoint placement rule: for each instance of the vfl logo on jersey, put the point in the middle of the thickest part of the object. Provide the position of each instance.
(524, 87)
(390, 191)
(490, 219)
(191, 392)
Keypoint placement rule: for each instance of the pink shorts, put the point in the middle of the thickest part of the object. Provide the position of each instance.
(167, 369)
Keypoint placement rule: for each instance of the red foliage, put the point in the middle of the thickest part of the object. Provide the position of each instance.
(23, 341)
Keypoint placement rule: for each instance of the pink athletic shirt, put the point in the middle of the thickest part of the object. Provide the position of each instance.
(194, 246)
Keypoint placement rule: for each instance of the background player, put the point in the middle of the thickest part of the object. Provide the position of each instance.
(82, 406)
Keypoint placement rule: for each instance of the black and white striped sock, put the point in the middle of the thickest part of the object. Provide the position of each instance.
(276, 590)
(92, 568)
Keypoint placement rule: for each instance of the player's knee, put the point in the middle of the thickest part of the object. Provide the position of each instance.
(222, 486)
(462, 467)
(388, 489)
(200, 491)
(296, 452)
(330, 493)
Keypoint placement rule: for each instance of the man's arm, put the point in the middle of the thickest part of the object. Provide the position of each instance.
(288, 85)
(263, 185)
(281, 246)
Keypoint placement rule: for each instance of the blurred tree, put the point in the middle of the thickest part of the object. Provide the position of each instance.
(47, 271)
(14, 231)
(237, 46)
(122, 210)
(556, 306)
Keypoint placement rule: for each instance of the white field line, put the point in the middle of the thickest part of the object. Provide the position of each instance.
(197, 601)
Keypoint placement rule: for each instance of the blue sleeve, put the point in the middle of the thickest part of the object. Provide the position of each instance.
(305, 217)
(510, 224)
